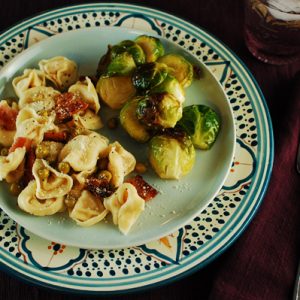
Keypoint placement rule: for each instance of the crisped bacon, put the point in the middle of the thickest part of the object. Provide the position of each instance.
(99, 187)
(8, 117)
(19, 143)
(56, 136)
(29, 161)
(68, 104)
(144, 189)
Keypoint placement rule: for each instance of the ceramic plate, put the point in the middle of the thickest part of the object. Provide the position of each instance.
(50, 262)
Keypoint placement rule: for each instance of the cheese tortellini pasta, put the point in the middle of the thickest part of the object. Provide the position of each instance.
(28, 201)
(82, 152)
(56, 184)
(52, 157)
(125, 205)
(30, 78)
(60, 70)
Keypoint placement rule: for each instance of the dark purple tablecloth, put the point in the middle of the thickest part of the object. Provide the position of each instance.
(262, 263)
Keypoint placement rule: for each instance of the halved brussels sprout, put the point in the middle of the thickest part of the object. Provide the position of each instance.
(115, 91)
(171, 86)
(159, 110)
(131, 124)
(122, 64)
(149, 75)
(179, 67)
(152, 47)
(171, 155)
(134, 50)
(202, 123)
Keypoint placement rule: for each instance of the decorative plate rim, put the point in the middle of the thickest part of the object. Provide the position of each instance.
(241, 218)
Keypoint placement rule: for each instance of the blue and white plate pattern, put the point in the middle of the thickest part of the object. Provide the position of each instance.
(58, 266)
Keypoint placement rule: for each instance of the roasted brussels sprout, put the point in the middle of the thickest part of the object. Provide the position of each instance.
(179, 67)
(202, 123)
(152, 47)
(159, 110)
(126, 54)
(131, 124)
(122, 64)
(115, 91)
(149, 75)
(171, 86)
(172, 154)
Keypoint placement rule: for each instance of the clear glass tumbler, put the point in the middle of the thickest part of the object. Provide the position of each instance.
(272, 30)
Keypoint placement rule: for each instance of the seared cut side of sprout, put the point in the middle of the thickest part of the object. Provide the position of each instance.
(179, 67)
(202, 123)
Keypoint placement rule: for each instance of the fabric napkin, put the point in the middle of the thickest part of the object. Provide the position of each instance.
(263, 263)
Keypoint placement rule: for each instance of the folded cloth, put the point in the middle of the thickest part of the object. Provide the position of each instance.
(262, 264)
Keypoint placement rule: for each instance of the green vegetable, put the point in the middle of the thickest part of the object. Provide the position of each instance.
(149, 75)
(171, 86)
(131, 124)
(152, 47)
(159, 110)
(115, 91)
(171, 156)
(179, 67)
(122, 64)
(202, 123)
(134, 50)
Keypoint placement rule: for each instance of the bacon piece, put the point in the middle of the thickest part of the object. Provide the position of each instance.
(19, 143)
(68, 104)
(8, 117)
(56, 136)
(29, 161)
(99, 187)
(144, 189)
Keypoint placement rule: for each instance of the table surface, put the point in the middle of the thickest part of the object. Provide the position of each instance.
(224, 19)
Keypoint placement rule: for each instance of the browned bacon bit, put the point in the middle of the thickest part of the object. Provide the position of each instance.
(99, 187)
(144, 189)
(29, 161)
(68, 104)
(8, 117)
(56, 136)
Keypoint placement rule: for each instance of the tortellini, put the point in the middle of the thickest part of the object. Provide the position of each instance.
(56, 184)
(30, 78)
(89, 120)
(33, 126)
(40, 98)
(82, 151)
(87, 92)
(121, 163)
(28, 201)
(126, 206)
(60, 70)
(11, 162)
(88, 210)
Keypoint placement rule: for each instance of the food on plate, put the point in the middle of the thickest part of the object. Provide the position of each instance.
(171, 154)
(202, 123)
(55, 161)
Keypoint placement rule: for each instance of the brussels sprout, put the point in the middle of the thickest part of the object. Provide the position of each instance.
(171, 155)
(159, 110)
(131, 124)
(122, 64)
(127, 54)
(152, 47)
(149, 75)
(115, 91)
(179, 67)
(171, 86)
(202, 123)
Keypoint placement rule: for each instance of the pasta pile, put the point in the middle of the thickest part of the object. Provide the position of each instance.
(54, 154)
